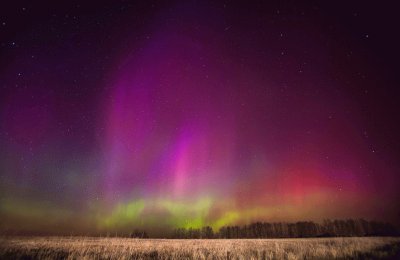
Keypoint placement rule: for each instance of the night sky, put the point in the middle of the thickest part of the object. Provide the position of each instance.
(172, 114)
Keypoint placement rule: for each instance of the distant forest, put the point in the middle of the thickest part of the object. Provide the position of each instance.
(303, 229)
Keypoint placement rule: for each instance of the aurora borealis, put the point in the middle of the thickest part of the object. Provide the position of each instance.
(189, 113)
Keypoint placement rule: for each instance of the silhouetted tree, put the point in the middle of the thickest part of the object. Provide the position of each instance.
(139, 234)
(207, 232)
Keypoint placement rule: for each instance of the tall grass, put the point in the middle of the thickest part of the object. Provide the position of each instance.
(126, 248)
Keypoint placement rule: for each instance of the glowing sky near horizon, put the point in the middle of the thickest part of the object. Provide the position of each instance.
(196, 116)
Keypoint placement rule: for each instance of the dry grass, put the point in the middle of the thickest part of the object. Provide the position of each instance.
(126, 248)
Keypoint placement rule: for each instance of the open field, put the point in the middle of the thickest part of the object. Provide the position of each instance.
(126, 248)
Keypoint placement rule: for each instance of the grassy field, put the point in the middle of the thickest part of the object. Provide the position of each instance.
(126, 248)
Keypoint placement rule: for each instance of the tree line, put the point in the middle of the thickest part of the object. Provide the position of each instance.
(302, 229)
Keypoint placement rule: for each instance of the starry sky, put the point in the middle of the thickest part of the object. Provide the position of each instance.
(166, 114)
